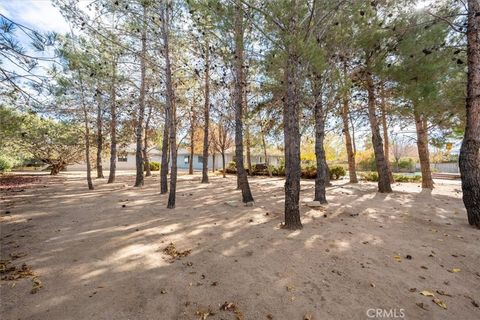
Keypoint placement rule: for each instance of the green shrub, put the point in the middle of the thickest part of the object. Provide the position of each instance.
(231, 167)
(404, 178)
(369, 176)
(336, 172)
(278, 171)
(309, 172)
(6, 163)
(154, 166)
(406, 164)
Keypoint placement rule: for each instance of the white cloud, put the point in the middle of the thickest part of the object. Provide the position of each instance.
(40, 15)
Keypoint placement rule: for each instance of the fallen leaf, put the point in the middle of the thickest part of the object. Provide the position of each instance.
(455, 270)
(397, 258)
(443, 293)
(422, 305)
(440, 303)
(308, 317)
(427, 293)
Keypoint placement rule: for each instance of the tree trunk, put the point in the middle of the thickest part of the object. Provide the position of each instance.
(213, 162)
(248, 145)
(267, 163)
(292, 144)
(87, 134)
(99, 136)
(382, 169)
(206, 116)
(322, 170)
(223, 164)
(165, 155)
(470, 151)
(345, 114)
(56, 168)
(383, 107)
(192, 140)
(242, 179)
(113, 127)
(423, 154)
(352, 172)
(170, 105)
(141, 107)
(148, 172)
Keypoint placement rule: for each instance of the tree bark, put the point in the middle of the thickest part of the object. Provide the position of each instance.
(148, 172)
(141, 108)
(292, 143)
(382, 169)
(242, 179)
(470, 151)
(422, 146)
(322, 170)
(87, 134)
(113, 127)
(165, 155)
(192, 140)
(223, 164)
(206, 116)
(352, 172)
(267, 162)
(345, 114)
(386, 145)
(248, 145)
(170, 105)
(99, 135)
(213, 162)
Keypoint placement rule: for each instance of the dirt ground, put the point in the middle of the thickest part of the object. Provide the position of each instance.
(100, 254)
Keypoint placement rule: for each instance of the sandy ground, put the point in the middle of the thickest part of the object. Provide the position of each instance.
(99, 254)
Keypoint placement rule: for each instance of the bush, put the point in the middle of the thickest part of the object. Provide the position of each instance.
(337, 172)
(369, 176)
(6, 163)
(406, 165)
(231, 167)
(403, 178)
(309, 172)
(278, 171)
(154, 166)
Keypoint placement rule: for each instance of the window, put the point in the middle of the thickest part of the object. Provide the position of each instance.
(122, 157)
(200, 159)
(186, 159)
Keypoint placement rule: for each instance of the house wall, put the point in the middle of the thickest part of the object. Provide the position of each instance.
(181, 164)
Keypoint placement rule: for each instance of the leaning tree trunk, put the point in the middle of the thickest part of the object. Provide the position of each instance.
(423, 154)
(292, 144)
(141, 108)
(146, 162)
(170, 105)
(321, 177)
(207, 117)
(99, 136)
(113, 128)
(382, 168)
(386, 145)
(470, 151)
(242, 179)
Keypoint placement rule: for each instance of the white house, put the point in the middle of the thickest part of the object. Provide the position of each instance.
(126, 159)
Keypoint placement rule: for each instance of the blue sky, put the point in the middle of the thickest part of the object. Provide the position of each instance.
(37, 14)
